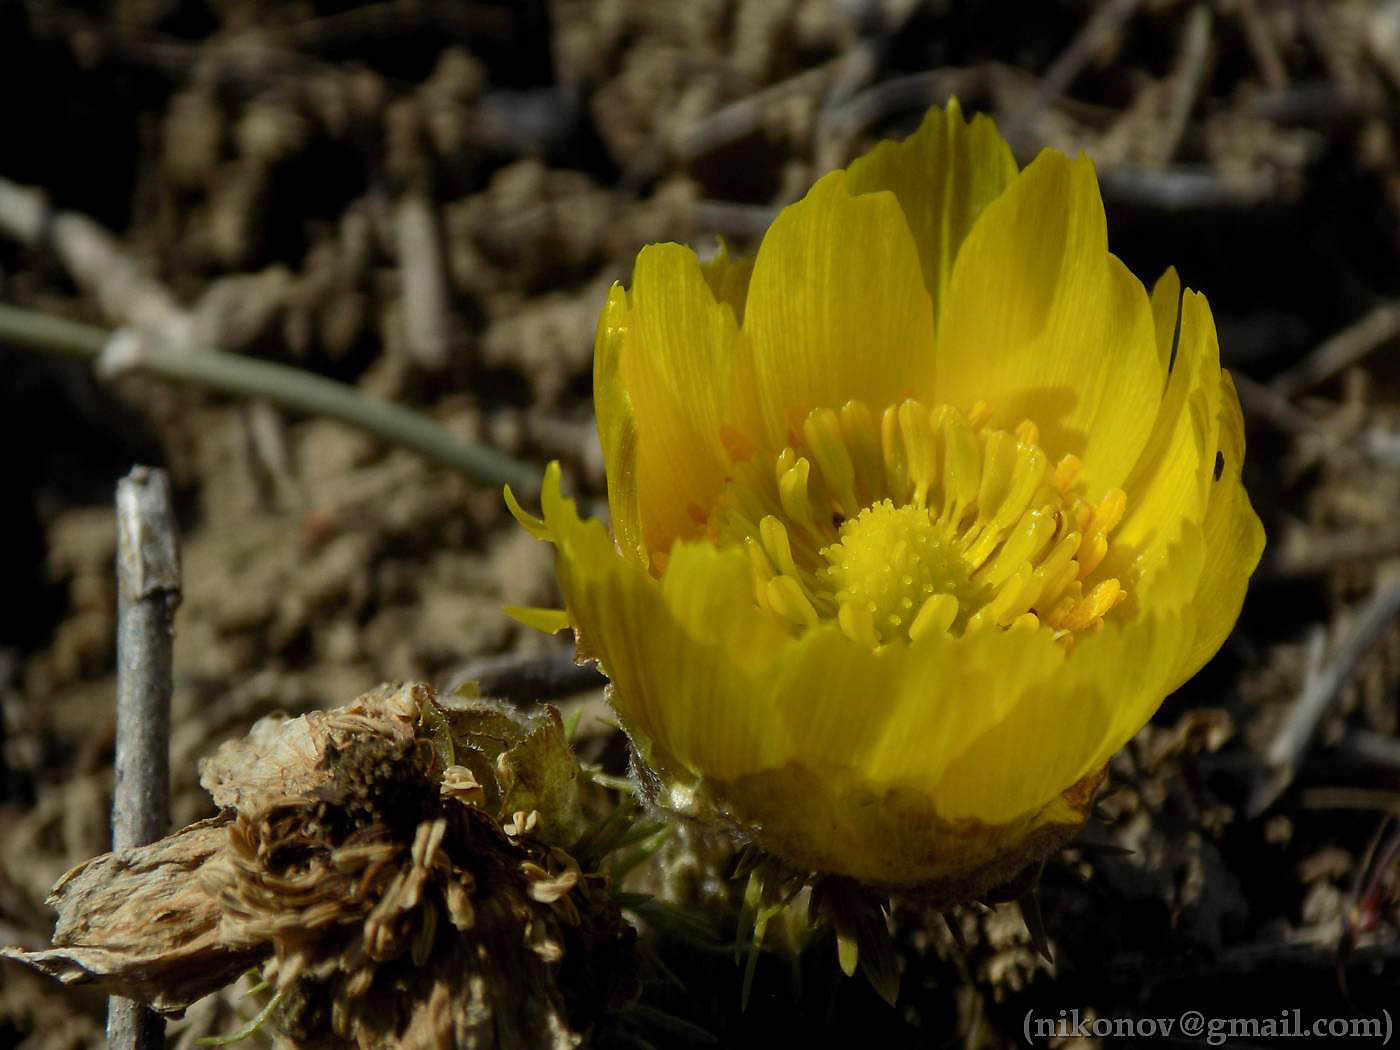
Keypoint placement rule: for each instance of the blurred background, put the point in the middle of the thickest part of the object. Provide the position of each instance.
(427, 200)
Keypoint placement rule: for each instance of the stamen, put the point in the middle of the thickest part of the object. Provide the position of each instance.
(823, 432)
(920, 523)
(935, 615)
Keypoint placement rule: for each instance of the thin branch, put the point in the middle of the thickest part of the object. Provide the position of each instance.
(1102, 26)
(1190, 75)
(1185, 189)
(425, 311)
(1267, 403)
(1342, 350)
(1318, 553)
(1319, 690)
(289, 388)
(1260, 38)
(148, 590)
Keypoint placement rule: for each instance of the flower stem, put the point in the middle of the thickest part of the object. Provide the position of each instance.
(290, 388)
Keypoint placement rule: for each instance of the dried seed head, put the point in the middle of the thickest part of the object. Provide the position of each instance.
(398, 910)
(361, 859)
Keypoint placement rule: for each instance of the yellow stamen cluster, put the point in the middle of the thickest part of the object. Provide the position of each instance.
(925, 520)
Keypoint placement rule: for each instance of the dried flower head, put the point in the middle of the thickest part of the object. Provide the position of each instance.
(393, 866)
(917, 515)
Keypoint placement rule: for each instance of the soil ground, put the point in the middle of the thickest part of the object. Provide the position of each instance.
(295, 175)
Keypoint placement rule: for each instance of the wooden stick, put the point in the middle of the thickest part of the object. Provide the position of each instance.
(1341, 351)
(1189, 78)
(1101, 27)
(1282, 756)
(148, 590)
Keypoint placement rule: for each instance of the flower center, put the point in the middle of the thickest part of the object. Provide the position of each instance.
(921, 521)
(892, 561)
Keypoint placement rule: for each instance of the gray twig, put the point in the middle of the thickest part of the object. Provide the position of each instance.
(745, 116)
(1260, 38)
(426, 307)
(842, 123)
(148, 590)
(1314, 553)
(1184, 189)
(1319, 690)
(1190, 73)
(733, 218)
(1267, 403)
(1101, 28)
(1341, 350)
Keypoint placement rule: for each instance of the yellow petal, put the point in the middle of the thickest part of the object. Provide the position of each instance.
(1169, 486)
(1166, 315)
(901, 714)
(1222, 552)
(943, 175)
(1042, 323)
(1213, 560)
(1233, 541)
(686, 683)
(550, 621)
(667, 366)
(617, 426)
(1058, 730)
(527, 521)
(728, 278)
(836, 309)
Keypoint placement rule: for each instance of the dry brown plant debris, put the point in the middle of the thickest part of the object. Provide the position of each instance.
(394, 867)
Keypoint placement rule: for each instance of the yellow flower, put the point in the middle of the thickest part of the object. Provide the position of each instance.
(917, 515)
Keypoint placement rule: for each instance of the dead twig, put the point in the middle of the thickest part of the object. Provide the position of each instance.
(743, 117)
(1260, 39)
(1341, 351)
(148, 590)
(735, 219)
(1366, 746)
(1106, 23)
(1317, 554)
(1319, 690)
(1190, 74)
(426, 308)
(844, 120)
(1182, 189)
(1264, 402)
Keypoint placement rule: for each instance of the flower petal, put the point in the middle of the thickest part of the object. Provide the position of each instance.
(662, 365)
(1168, 488)
(899, 714)
(943, 176)
(728, 278)
(1233, 541)
(1041, 322)
(1057, 732)
(836, 308)
(684, 654)
(617, 428)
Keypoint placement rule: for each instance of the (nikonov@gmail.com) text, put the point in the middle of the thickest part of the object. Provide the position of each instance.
(1212, 1031)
